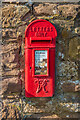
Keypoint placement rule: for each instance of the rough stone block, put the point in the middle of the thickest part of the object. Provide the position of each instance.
(9, 33)
(12, 72)
(68, 87)
(47, 9)
(9, 47)
(74, 48)
(11, 85)
(68, 11)
(13, 15)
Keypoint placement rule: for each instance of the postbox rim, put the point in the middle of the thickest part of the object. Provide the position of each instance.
(39, 20)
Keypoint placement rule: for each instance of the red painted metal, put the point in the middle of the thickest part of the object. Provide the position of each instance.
(40, 43)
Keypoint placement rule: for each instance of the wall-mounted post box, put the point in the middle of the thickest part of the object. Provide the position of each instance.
(40, 42)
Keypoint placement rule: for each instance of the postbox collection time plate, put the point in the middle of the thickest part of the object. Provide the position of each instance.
(40, 62)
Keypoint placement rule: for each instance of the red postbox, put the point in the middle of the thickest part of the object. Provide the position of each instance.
(40, 43)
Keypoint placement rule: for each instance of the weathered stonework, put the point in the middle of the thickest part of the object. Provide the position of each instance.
(74, 49)
(65, 102)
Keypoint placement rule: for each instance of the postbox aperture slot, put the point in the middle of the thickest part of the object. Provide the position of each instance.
(40, 40)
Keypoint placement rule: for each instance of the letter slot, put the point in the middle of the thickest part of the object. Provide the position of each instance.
(40, 39)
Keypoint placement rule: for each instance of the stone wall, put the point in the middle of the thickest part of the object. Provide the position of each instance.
(65, 102)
